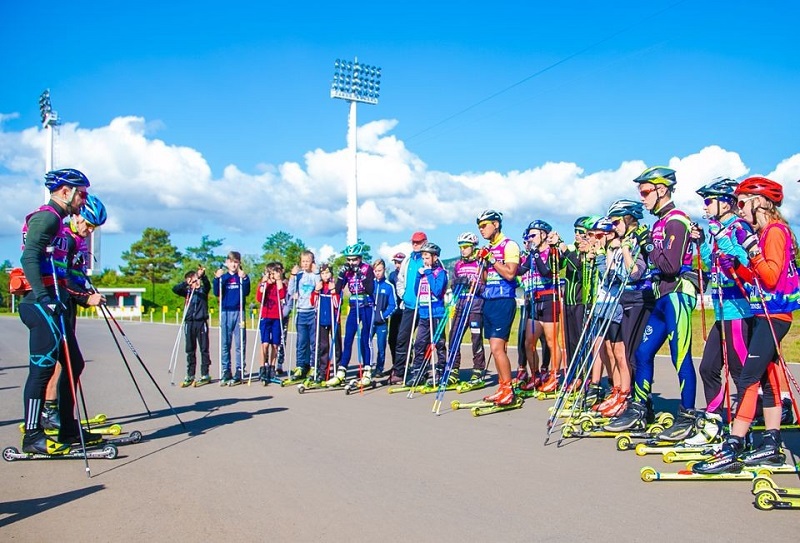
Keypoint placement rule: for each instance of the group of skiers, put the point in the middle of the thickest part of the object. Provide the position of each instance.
(640, 284)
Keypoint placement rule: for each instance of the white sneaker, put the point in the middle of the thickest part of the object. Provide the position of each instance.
(366, 377)
(709, 433)
(337, 379)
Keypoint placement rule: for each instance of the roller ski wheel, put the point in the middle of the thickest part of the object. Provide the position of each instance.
(766, 500)
(623, 442)
(567, 431)
(648, 474)
(109, 452)
(481, 411)
(666, 420)
(641, 449)
(764, 482)
(130, 439)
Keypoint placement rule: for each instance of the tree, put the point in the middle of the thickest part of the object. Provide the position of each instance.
(283, 247)
(5, 298)
(203, 254)
(152, 258)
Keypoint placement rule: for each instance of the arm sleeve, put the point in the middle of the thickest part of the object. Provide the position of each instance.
(391, 305)
(369, 282)
(180, 289)
(401, 278)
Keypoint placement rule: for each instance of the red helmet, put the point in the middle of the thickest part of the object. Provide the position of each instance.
(762, 186)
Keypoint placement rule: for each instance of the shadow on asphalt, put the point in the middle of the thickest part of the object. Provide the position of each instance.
(22, 509)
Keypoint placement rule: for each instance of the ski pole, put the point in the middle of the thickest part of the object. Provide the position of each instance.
(702, 291)
(725, 359)
(258, 340)
(173, 360)
(242, 325)
(414, 325)
(219, 280)
(428, 356)
(59, 309)
(316, 339)
(335, 315)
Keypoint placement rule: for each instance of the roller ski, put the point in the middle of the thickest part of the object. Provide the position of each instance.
(770, 496)
(236, 380)
(747, 473)
(202, 381)
(226, 379)
(130, 439)
(266, 375)
(476, 382)
(297, 376)
(480, 411)
(432, 388)
(109, 452)
(366, 382)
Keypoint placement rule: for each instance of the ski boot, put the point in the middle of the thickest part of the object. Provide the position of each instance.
(74, 438)
(726, 460)
(394, 380)
(237, 379)
(263, 375)
(280, 372)
(37, 442)
(338, 379)
(593, 394)
(475, 382)
(607, 401)
(366, 377)
(204, 380)
(531, 384)
(634, 419)
(50, 419)
(226, 378)
(709, 433)
(187, 382)
(684, 426)
(618, 404)
(787, 412)
(503, 396)
(521, 377)
(768, 453)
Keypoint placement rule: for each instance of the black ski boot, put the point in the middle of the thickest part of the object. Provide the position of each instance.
(37, 442)
(50, 419)
(70, 435)
(685, 426)
(769, 452)
(726, 460)
(787, 412)
(594, 394)
(633, 419)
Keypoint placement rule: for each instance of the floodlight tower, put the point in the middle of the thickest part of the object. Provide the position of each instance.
(355, 83)
(49, 123)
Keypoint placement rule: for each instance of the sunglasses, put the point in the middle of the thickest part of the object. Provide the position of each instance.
(616, 222)
(580, 232)
(740, 203)
(352, 259)
(484, 224)
(645, 193)
(598, 235)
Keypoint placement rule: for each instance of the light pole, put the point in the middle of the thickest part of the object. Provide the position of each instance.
(49, 123)
(355, 83)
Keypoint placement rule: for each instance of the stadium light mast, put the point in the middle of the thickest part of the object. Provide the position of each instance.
(49, 123)
(355, 83)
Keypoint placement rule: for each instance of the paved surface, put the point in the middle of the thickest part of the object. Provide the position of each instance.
(264, 463)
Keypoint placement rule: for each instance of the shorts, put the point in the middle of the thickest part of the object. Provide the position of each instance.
(270, 331)
(498, 315)
(543, 309)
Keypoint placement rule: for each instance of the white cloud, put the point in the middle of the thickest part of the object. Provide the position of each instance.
(145, 181)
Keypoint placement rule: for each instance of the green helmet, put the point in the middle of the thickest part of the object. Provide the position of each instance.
(657, 175)
(356, 249)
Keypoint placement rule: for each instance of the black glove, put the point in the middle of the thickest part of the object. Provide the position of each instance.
(52, 305)
(343, 273)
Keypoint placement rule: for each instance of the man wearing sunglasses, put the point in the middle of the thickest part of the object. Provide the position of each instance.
(675, 286)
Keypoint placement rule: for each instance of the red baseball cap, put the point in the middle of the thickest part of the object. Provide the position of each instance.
(418, 236)
(399, 257)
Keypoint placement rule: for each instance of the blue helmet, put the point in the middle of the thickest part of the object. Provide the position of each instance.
(580, 223)
(540, 225)
(356, 249)
(58, 178)
(721, 187)
(602, 224)
(623, 207)
(94, 211)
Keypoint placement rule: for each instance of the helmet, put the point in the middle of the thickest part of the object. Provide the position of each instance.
(762, 186)
(399, 257)
(588, 222)
(623, 207)
(356, 249)
(56, 179)
(94, 211)
(540, 225)
(467, 238)
(431, 248)
(490, 215)
(602, 224)
(657, 175)
(721, 187)
(579, 222)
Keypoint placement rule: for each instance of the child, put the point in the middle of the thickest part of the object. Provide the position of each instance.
(360, 281)
(195, 288)
(303, 281)
(326, 301)
(431, 283)
(385, 297)
(232, 287)
(271, 294)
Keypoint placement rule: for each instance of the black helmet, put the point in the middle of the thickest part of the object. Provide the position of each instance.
(540, 225)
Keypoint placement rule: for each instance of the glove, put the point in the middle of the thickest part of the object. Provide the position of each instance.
(727, 263)
(748, 241)
(483, 253)
(701, 234)
(52, 305)
(343, 273)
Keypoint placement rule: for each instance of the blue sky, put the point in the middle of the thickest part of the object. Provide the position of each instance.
(204, 119)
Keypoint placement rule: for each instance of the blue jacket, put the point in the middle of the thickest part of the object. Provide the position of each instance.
(433, 283)
(384, 300)
(230, 290)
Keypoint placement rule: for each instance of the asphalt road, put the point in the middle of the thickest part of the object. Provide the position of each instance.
(268, 464)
